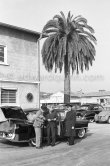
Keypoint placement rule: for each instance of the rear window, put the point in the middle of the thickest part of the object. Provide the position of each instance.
(14, 112)
(84, 107)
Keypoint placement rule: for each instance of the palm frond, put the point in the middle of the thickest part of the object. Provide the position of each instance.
(51, 31)
(63, 16)
(50, 24)
(71, 37)
(88, 28)
(81, 20)
(60, 21)
(75, 18)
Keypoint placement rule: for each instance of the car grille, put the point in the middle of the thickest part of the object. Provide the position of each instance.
(99, 117)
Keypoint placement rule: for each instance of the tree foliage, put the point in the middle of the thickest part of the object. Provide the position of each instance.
(70, 36)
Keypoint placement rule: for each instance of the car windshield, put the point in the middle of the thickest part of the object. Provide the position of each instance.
(14, 112)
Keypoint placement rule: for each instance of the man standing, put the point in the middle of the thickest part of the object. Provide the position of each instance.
(51, 117)
(38, 121)
(70, 121)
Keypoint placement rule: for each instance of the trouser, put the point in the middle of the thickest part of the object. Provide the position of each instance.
(38, 136)
(51, 132)
(71, 140)
(71, 137)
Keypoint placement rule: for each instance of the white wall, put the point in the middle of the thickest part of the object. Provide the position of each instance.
(22, 90)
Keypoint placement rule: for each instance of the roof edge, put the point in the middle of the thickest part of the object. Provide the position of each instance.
(20, 29)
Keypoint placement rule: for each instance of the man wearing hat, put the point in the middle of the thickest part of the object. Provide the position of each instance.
(51, 117)
(38, 121)
(70, 121)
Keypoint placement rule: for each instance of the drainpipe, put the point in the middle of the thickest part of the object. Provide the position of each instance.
(39, 71)
(39, 66)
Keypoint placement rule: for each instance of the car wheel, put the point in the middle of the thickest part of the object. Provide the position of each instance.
(81, 133)
(32, 142)
(108, 121)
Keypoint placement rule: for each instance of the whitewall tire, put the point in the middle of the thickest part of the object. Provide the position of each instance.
(81, 133)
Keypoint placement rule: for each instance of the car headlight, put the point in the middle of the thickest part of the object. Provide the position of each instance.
(10, 135)
(104, 116)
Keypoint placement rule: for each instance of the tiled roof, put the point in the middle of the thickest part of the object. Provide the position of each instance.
(97, 94)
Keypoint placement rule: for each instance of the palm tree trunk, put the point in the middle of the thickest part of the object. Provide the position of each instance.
(66, 80)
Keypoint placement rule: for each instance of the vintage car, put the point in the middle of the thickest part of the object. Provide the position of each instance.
(16, 127)
(89, 110)
(103, 117)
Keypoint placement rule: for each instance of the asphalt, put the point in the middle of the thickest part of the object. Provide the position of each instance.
(93, 150)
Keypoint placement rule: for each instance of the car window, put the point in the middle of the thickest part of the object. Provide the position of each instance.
(89, 114)
(84, 107)
(96, 108)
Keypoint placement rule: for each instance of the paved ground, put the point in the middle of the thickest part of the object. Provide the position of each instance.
(93, 150)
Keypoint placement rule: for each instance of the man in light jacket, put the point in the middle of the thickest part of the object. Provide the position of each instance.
(38, 121)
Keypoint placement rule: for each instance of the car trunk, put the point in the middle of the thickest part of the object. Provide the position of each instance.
(8, 116)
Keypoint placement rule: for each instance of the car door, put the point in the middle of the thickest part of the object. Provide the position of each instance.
(90, 115)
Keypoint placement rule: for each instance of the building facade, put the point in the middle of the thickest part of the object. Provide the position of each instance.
(19, 67)
(58, 97)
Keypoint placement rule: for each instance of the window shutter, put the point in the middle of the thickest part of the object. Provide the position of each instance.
(8, 96)
(2, 53)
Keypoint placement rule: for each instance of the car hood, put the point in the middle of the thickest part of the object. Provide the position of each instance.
(104, 113)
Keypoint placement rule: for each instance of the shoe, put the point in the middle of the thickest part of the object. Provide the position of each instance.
(71, 144)
(48, 144)
(39, 147)
(52, 144)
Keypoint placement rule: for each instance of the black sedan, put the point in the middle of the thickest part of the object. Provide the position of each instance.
(89, 110)
(16, 127)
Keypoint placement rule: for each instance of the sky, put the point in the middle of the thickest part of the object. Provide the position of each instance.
(34, 14)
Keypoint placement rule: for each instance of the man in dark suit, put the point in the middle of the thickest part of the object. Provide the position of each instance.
(51, 117)
(70, 121)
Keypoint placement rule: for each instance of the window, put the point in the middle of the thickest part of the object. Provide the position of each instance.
(8, 96)
(101, 100)
(3, 54)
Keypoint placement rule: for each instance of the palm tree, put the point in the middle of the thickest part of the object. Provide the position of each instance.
(69, 43)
